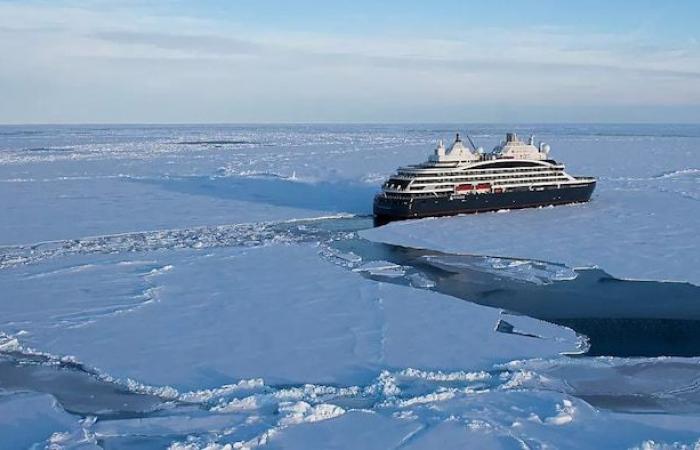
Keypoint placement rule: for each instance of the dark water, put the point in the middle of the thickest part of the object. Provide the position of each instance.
(78, 390)
(619, 317)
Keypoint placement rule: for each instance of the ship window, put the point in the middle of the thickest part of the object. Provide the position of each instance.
(400, 184)
(509, 164)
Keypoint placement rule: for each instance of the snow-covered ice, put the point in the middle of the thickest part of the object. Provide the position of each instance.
(142, 317)
(194, 275)
(32, 419)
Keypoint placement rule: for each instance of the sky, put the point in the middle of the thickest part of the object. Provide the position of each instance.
(244, 61)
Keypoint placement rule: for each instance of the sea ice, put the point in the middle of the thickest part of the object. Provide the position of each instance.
(189, 292)
(201, 319)
(29, 419)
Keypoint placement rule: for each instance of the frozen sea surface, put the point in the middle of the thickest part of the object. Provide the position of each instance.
(208, 287)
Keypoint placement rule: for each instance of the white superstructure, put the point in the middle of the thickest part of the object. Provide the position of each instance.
(456, 153)
(513, 148)
(460, 170)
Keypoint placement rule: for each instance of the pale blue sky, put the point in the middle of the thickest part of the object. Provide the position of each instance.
(68, 61)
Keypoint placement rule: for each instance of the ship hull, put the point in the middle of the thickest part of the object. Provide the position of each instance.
(387, 210)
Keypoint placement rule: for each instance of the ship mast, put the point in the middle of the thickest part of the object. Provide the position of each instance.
(471, 143)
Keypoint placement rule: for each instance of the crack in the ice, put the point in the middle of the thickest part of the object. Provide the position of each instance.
(234, 235)
(391, 392)
(410, 437)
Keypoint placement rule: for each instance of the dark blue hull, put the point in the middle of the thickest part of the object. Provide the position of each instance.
(389, 209)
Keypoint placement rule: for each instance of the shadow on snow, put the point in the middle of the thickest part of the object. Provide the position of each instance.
(337, 196)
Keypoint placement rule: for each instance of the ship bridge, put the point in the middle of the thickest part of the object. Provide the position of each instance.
(514, 148)
(456, 153)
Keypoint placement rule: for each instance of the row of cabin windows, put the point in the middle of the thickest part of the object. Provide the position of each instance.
(394, 183)
(477, 172)
(446, 189)
(475, 175)
(536, 180)
(492, 179)
(553, 175)
(500, 183)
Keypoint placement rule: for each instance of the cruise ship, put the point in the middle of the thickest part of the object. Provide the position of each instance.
(464, 179)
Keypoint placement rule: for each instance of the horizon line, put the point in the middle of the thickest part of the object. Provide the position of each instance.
(291, 123)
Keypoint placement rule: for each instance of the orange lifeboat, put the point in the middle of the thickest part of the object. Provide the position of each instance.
(461, 188)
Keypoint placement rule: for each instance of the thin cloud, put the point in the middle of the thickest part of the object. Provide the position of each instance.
(390, 55)
(207, 44)
(80, 57)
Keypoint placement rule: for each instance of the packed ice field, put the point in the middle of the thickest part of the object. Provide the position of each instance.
(184, 287)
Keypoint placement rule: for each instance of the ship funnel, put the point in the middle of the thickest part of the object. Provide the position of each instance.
(532, 139)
